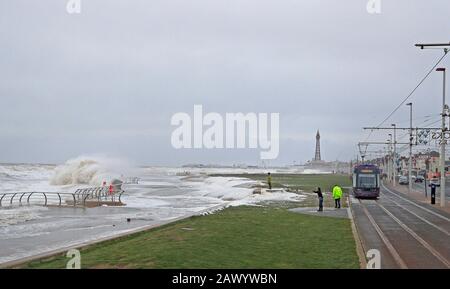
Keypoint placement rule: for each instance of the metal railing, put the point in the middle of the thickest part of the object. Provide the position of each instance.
(56, 198)
(77, 198)
(131, 181)
(99, 194)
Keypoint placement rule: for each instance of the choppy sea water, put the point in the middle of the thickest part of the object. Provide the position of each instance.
(162, 194)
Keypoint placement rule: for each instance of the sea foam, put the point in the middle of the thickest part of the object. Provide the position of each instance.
(90, 170)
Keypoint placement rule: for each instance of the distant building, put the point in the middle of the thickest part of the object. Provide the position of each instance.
(421, 162)
(317, 160)
(317, 163)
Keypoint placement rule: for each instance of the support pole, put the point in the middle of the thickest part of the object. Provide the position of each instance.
(410, 149)
(394, 159)
(443, 141)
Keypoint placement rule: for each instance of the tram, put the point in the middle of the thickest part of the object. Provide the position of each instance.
(366, 181)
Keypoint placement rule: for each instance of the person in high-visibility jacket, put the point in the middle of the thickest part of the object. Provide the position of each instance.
(337, 195)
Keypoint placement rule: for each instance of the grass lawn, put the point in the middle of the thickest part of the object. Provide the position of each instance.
(302, 182)
(237, 237)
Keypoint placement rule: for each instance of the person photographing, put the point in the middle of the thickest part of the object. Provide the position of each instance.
(320, 196)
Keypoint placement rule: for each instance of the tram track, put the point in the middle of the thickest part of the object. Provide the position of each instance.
(415, 204)
(386, 214)
(417, 216)
(419, 239)
(394, 254)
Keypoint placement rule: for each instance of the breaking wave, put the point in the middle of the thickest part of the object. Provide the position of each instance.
(89, 170)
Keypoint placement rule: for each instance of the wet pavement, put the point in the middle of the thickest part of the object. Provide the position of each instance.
(408, 233)
(327, 212)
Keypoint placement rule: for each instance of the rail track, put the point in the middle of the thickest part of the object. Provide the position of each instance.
(408, 234)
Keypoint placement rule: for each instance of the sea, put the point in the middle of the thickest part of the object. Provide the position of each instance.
(161, 195)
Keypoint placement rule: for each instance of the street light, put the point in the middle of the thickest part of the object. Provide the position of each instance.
(443, 140)
(390, 157)
(394, 159)
(410, 149)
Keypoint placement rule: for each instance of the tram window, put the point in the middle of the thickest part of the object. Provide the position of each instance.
(367, 181)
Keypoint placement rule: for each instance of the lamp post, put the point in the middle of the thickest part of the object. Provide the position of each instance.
(442, 154)
(390, 158)
(394, 159)
(443, 141)
(410, 149)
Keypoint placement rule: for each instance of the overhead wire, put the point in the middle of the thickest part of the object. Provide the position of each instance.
(415, 88)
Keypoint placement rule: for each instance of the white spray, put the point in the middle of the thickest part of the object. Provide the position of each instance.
(90, 170)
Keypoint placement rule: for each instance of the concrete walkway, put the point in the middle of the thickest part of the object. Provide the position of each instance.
(327, 212)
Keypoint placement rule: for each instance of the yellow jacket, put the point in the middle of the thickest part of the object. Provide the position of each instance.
(337, 192)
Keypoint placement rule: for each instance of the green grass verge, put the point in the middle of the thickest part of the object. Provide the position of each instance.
(237, 237)
(304, 182)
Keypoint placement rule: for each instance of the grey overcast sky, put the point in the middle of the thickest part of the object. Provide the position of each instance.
(109, 79)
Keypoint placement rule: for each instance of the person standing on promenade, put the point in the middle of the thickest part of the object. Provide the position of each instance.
(337, 195)
(320, 196)
(269, 181)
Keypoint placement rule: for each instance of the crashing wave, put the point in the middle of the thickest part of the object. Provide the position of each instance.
(88, 170)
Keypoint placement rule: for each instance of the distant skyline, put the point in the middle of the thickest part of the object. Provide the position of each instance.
(108, 80)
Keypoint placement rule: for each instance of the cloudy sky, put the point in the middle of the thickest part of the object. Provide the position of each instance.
(109, 79)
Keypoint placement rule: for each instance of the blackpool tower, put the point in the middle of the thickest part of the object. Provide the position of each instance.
(317, 155)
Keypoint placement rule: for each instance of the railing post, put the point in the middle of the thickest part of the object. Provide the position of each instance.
(12, 198)
(28, 199)
(84, 200)
(20, 199)
(1, 199)
(45, 199)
